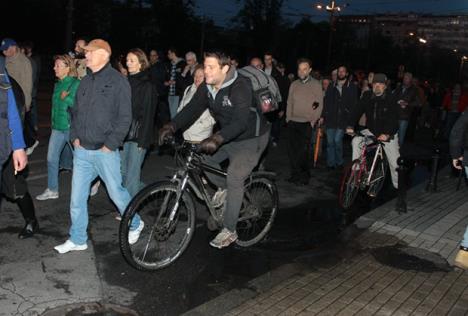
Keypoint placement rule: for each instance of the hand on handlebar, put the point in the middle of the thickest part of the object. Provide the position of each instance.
(457, 163)
(212, 143)
(383, 137)
(166, 132)
(350, 131)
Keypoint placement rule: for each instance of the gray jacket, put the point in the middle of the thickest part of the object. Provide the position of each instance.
(102, 113)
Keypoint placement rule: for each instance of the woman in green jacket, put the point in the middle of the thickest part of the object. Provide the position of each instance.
(62, 99)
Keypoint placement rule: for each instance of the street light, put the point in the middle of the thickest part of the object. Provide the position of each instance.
(422, 40)
(331, 8)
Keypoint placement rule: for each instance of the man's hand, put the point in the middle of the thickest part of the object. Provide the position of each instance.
(20, 159)
(105, 149)
(166, 132)
(315, 105)
(457, 163)
(383, 137)
(350, 131)
(76, 143)
(212, 143)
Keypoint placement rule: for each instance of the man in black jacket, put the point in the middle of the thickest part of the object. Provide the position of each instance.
(458, 148)
(101, 118)
(242, 137)
(381, 111)
(339, 99)
(407, 98)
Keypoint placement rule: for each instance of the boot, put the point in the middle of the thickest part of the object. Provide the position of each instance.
(461, 260)
(26, 207)
(29, 229)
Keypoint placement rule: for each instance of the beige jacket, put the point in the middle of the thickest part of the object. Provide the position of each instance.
(302, 95)
(19, 67)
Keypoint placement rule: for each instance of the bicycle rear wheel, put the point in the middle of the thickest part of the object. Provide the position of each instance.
(258, 211)
(163, 239)
(350, 184)
(378, 177)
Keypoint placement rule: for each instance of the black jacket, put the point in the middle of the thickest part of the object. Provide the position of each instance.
(158, 73)
(337, 106)
(381, 113)
(231, 108)
(144, 103)
(180, 82)
(459, 138)
(409, 95)
(103, 110)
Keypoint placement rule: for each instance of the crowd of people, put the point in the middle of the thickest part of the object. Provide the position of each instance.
(106, 114)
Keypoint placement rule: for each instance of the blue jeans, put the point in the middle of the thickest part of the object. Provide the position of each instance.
(87, 165)
(58, 142)
(173, 104)
(403, 126)
(464, 242)
(132, 158)
(334, 147)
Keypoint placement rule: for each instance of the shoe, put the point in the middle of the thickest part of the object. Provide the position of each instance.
(461, 260)
(95, 188)
(219, 198)
(30, 150)
(133, 235)
(29, 229)
(70, 246)
(48, 195)
(224, 239)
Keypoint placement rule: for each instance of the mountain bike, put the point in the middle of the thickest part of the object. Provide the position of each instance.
(368, 172)
(168, 209)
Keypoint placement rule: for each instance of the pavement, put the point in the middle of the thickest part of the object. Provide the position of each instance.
(391, 264)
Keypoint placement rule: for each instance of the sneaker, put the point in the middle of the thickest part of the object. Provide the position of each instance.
(30, 150)
(224, 239)
(133, 235)
(48, 195)
(95, 188)
(219, 198)
(461, 260)
(70, 246)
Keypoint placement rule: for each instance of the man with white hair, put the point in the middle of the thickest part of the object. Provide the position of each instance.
(189, 70)
(101, 118)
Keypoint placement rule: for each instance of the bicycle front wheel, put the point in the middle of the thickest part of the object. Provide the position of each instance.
(258, 211)
(350, 184)
(169, 226)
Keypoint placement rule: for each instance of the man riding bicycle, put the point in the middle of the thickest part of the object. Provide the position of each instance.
(242, 136)
(381, 111)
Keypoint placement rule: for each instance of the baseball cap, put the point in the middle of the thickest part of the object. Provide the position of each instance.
(6, 43)
(96, 44)
(379, 78)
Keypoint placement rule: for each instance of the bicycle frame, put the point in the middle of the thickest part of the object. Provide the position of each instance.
(362, 158)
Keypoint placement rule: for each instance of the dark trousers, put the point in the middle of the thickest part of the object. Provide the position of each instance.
(299, 150)
(30, 134)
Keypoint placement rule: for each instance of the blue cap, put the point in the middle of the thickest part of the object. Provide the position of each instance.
(6, 43)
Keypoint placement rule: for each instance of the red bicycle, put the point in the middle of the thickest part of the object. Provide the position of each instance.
(368, 172)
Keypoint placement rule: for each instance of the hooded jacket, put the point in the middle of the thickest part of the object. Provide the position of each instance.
(232, 106)
(337, 105)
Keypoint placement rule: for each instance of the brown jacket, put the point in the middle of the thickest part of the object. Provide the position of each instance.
(19, 67)
(301, 98)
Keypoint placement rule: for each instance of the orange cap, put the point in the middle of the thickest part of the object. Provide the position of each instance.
(98, 44)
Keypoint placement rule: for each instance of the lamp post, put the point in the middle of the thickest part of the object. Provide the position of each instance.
(332, 8)
(462, 63)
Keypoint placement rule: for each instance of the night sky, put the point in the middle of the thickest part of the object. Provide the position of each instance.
(222, 10)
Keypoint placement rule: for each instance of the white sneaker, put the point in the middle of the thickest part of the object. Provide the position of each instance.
(70, 246)
(47, 195)
(219, 198)
(95, 188)
(224, 238)
(30, 150)
(133, 235)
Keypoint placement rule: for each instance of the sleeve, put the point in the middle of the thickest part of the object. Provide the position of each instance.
(123, 119)
(457, 136)
(289, 103)
(70, 98)
(192, 111)
(318, 98)
(241, 98)
(356, 112)
(14, 123)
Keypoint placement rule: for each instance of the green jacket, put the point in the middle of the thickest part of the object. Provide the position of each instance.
(60, 114)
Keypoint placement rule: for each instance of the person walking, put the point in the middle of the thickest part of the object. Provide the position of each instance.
(140, 136)
(63, 99)
(101, 117)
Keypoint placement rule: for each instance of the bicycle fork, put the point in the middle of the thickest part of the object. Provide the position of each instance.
(374, 161)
